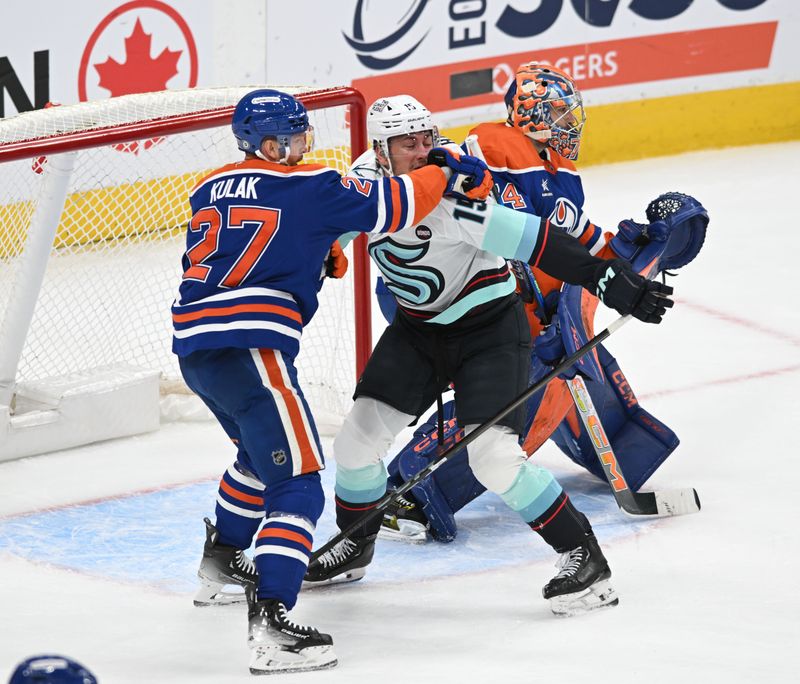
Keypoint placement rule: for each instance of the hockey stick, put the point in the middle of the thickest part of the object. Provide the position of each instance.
(661, 504)
(665, 503)
(391, 496)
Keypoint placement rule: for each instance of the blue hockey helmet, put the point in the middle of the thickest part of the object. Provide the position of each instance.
(265, 112)
(51, 669)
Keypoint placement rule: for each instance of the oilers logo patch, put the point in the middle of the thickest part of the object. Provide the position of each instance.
(564, 215)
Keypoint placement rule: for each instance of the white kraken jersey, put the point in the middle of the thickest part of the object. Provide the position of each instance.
(436, 269)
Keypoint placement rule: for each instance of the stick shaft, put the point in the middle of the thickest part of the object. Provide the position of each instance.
(471, 437)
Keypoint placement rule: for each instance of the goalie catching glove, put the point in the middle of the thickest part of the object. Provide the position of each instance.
(470, 178)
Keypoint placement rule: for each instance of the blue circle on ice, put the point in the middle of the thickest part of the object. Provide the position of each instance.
(156, 538)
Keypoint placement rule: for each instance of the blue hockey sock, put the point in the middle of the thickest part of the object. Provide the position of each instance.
(283, 546)
(240, 507)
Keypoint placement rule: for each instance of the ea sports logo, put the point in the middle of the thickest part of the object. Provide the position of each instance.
(142, 46)
(564, 215)
(385, 33)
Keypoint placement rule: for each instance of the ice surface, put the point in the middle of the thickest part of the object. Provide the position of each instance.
(99, 545)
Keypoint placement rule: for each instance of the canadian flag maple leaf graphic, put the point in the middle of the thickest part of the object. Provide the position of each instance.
(139, 73)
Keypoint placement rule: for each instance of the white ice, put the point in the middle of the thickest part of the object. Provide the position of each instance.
(98, 545)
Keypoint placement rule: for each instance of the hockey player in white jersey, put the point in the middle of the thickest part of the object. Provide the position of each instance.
(459, 321)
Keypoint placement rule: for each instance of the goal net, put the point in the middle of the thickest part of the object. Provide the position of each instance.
(93, 213)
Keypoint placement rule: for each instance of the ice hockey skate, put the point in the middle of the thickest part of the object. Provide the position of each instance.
(345, 562)
(582, 583)
(278, 645)
(223, 566)
(404, 521)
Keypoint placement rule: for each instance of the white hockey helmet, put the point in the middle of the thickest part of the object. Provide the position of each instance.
(389, 117)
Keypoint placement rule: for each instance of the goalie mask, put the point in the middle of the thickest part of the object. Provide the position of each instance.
(391, 117)
(270, 113)
(544, 104)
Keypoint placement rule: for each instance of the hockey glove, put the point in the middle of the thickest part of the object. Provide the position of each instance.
(470, 177)
(677, 221)
(336, 262)
(625, 291)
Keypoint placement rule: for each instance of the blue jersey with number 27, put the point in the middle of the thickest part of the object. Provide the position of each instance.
(257, 239)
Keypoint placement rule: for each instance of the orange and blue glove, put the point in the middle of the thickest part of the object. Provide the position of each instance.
(336, 262)
(470, 177)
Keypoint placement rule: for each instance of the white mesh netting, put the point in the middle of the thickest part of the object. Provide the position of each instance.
(115, 263)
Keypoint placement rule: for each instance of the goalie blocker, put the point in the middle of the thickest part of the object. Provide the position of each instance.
(641, 442)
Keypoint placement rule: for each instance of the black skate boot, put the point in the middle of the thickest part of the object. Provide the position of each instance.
(345, 562)
(583, 581)
(278, 645)
(405, 521)
(223, 565)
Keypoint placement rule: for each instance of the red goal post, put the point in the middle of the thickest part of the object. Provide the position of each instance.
(93, 209)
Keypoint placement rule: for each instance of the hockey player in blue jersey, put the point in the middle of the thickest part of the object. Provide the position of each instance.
(459, 320)
(259, 232)
(531, 160)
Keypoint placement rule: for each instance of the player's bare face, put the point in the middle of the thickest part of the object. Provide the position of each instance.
(298, 146)
(410, 152)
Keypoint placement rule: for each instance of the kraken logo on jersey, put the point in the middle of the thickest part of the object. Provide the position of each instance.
(417, 285)
(564, 215)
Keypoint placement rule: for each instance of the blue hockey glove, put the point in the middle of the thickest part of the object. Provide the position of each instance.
(470, 179)
(677, 221)
(686, 220)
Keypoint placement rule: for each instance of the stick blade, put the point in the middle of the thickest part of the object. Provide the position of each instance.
(677, 502)
(661, 504)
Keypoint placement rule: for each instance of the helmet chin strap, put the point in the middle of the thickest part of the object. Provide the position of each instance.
(386, 170)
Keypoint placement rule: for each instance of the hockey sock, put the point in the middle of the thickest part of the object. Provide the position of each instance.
(347, 513)
(358, 490)
(283, 546)
(240, 507)
(562, 525)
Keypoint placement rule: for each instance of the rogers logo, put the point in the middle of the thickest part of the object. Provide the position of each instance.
(397, 40)
(142, 46)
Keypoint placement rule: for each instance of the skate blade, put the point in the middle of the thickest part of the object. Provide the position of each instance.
(344, 578)
(600, 595)
(407, 531)
(213, 594)
(266, 660)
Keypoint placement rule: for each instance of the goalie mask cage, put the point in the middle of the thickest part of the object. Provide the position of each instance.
(93, 213)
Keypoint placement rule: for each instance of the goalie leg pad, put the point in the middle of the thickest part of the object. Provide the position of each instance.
(428, 495)
(450, 488)
(640, 441)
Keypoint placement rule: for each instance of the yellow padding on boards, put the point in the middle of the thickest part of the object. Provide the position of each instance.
(685, 123)
(146, 210)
